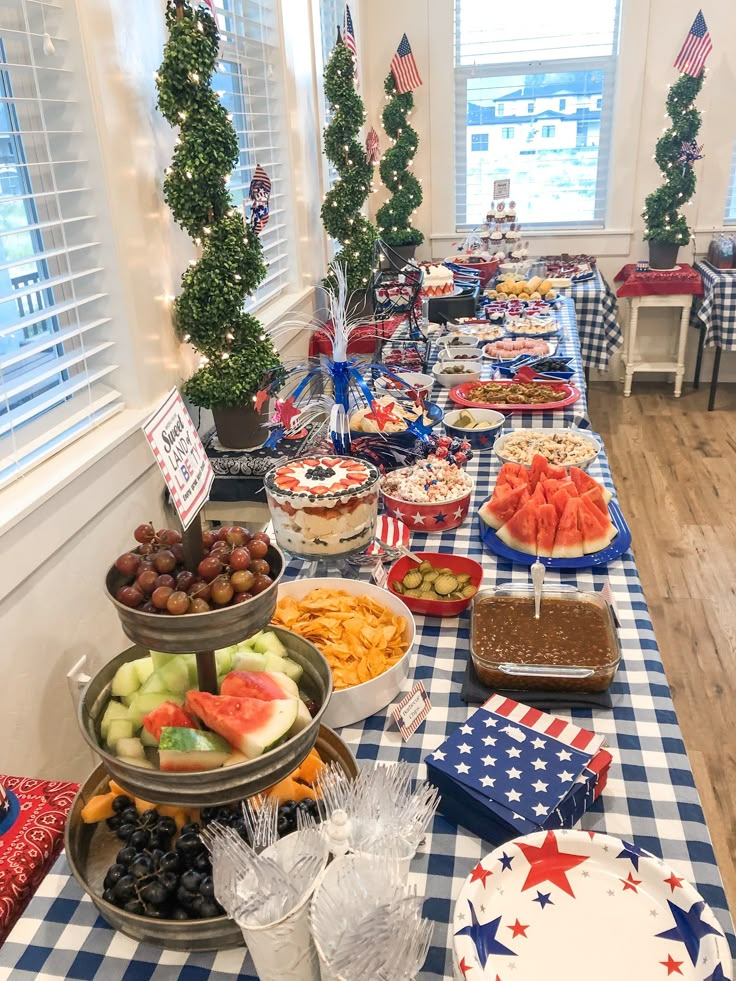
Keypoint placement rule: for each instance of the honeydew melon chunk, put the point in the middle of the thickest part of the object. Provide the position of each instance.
(293, 670)
(144, 667)
(276, 663)
(125, 681)
(191, 662)
(144, 703)
(302, 720)
(174, 675)
(268, 643)
(113, 710)
(117, 730)
(287, 686)
(147, 738)
(249, 661)
(137, 761)
(155, 683)
(224, 659)
(131, 748)
(158, 659)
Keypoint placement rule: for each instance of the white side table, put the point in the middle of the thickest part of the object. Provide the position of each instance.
(684, 302)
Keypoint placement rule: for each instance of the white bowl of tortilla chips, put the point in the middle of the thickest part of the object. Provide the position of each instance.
(370, 661)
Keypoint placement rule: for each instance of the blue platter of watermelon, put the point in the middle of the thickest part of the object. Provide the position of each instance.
(562, 516)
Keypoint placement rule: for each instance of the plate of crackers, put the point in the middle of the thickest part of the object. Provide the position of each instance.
(365, 633)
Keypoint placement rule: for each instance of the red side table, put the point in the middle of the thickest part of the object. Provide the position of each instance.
(657, 288)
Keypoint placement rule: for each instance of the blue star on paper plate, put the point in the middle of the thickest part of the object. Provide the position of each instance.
(689, 928)
(543, 898)
(506, 861)
(484, 937)
(632, 853)
(717, 975)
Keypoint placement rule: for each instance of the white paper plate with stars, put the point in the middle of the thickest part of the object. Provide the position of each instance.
(577, 905)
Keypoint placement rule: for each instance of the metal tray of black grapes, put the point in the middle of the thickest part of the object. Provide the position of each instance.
(147, 870)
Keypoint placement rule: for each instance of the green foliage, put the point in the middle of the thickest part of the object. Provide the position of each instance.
(341, 208)
(234, 351)
(664, 221)
(394, 217)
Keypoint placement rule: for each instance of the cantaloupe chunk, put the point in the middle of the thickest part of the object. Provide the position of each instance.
(179, 814)
(285, 789)
(116, 789)
(98, 808)
(310, 768)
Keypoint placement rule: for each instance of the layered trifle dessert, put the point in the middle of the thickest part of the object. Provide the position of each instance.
(323, 506)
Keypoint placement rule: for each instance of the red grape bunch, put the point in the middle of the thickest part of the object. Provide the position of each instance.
(234, 569)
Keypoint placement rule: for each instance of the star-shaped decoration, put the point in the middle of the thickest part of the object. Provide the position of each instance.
(489, 740)
(514, 752)
(464, 967)
(260, 399)
(274, 438)
(483, 440)
(717, 975)
(382, 415)
(654, 913)
(549, 864)
(563, 755)
(464, 748)
(506, 861)
(440, 518)
(689, 928)
(632, 853)
(539, 743)
(673, 966)
(458, 513)
(287, 411)
(566, 776)
(487, 781)
(540, 810)
(417, 518)
(438, 755)
(631, 883)
(490, 722)
(518, 929)
(513, 795)
(462, 768)
(611, 892)
(539, 764)
(674, 882)
(489, 761)
(479, 874)
(543, 898)
(513, 773)
(398, 514)
(585, 874)
(466, 730)
(483, 937)
(540, 786)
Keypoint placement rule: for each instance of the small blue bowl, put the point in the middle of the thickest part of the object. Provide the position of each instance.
(479, 439)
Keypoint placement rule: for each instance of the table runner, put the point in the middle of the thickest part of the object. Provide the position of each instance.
(716, 312)
(650, 798)
(658, 282)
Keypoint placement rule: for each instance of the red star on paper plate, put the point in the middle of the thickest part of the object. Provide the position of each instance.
(287, 411)
(381, 415)
(549, 864)
(518, 929)
(674, 882)
(631, 883)
(260, 399)
(464, 967)
(480, 873)
(673, 966)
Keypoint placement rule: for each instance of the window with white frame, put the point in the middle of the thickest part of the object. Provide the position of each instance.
(331, 16)
(250, 83)
(558, 160)
(57, 350)
(730, 217)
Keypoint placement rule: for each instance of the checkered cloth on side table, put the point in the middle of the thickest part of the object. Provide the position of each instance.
(596, 312)
(716, 311)
(650, 798)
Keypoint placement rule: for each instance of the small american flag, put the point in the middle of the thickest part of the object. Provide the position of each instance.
(260, 183)
(695, 49)
(349, 33)
(259, 192)
(404, 68)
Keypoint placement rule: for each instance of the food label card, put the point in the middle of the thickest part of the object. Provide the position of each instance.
(179, 452)
(501, 189)
(412, 710)
(380, 574)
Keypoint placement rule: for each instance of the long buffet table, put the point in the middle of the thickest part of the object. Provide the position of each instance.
(650, 798)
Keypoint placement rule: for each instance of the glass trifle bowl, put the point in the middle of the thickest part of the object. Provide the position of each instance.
(323, 508)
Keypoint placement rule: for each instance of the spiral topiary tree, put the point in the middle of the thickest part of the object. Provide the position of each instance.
(341, 209)
(665, 223)
(394, 217)
(234, 352)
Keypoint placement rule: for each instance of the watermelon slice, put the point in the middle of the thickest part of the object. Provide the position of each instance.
(595, 528)
(584, 482)
(595, 494)
(520, 531)
(561, 497)
(569, 539)
(167, 714)
(186, 750)
(546, 528)
(251, 684)
(551, 485)
(539, 466)
(512, 475)
(539, 497)
(556, 473)
(251, 725)
(501, 507)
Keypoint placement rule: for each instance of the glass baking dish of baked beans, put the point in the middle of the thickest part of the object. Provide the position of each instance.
(574, 646)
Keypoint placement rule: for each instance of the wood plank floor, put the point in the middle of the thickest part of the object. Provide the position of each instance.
(674, 465)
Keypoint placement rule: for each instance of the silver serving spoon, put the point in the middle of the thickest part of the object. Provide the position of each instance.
(538, 580)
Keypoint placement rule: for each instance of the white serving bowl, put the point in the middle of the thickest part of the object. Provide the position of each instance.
(460, 378)
(349, 705)
(595, 446)
(470, 354)
(414, 379)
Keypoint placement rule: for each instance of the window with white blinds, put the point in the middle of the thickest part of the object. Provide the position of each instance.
(534, 104)
(331, 16)
(57, 353)
(250, 83)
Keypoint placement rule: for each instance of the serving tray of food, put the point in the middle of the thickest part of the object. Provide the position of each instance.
(509, 395)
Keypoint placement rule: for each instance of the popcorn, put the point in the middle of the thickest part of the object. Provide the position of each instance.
(430, 481)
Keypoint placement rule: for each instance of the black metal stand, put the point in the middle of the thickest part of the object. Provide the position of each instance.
(714, 380)
(699, 359)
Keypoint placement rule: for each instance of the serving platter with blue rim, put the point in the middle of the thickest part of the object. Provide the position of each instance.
(577, 905)
(615, 549)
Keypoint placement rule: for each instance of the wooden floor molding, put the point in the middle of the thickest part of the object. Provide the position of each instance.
(674, 465)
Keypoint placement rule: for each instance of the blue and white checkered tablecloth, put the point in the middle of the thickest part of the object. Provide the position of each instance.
(598, 327)
(650, 798)
(715, 311)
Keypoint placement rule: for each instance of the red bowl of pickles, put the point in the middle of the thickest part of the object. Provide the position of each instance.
(455, 566)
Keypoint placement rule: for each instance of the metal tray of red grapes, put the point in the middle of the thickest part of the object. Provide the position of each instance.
(165, 606)
(154, 885)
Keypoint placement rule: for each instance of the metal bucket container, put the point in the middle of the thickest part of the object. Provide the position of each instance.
(194, 632)
(229, 783)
